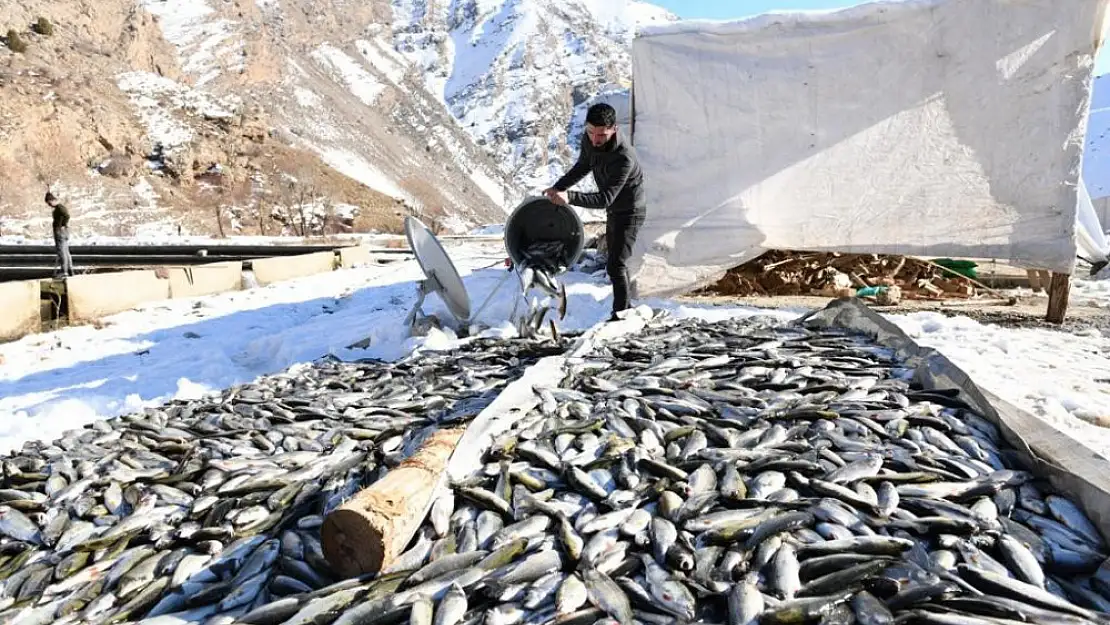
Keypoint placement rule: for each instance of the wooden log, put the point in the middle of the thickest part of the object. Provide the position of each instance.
(975, 302)
(945, 271)
(369, 531)
(1035, 282)
(1059, 290)
(632, 113)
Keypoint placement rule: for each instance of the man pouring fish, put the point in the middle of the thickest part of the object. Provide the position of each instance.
(606, 153)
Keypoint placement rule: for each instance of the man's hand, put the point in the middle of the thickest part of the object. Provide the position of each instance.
(557, 197)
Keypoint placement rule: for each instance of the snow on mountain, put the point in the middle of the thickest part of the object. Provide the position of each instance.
(492, 90)
(519, 74)
(450, 109)
(202, 37)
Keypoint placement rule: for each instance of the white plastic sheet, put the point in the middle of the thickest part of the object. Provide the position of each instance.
(922, 127)
(1092, 240)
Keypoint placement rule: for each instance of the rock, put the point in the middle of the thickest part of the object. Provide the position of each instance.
(890, 296)
(118, 166)
(255, 130)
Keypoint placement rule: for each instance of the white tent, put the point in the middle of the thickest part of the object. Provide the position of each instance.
(1090, 237)
(920, 127)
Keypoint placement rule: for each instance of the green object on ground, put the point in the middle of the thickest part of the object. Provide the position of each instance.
(964, 268)
(870, 291)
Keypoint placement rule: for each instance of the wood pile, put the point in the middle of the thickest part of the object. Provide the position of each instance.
(783, 273)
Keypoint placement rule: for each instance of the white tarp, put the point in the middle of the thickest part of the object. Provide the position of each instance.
(922, 127)
(1092, 240)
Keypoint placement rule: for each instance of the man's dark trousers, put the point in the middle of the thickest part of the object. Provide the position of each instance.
(621, 229)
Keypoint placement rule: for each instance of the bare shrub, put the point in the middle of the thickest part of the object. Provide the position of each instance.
(15, 42)
(43, 27)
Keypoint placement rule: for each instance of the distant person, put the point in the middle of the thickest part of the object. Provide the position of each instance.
(607, 154)
(61, 233)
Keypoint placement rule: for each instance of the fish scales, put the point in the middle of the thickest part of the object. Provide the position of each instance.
(750, 472)
(209, 510)
(741, 471)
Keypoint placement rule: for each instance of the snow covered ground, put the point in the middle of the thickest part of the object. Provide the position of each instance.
(56, 381)
(1062, 378)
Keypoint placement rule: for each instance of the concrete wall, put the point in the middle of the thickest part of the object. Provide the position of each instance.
(205, 279)
(354, 256)
(277, 269)
(98, 295)
(19, 309)
(92, 296)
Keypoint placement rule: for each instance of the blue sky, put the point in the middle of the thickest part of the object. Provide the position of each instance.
(727, 9)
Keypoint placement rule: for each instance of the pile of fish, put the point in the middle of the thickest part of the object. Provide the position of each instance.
(741, 473)
(542, 262)
(738, 472)
(549, 257)
(202, 511)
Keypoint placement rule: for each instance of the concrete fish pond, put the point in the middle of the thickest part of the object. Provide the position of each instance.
(732, 472)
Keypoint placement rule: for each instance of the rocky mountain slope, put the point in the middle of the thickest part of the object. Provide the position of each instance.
(295, 116)
(519, 74)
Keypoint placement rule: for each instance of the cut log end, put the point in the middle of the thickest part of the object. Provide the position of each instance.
(352, 544)
(369, 531)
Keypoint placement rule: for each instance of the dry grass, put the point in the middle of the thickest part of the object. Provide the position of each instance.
(385, 221)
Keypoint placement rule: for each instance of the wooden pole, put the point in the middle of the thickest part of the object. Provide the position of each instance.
(1035, 282)
(371, 529)
(1059, 290)
(1039, 279)
(632, 112)
(954, 303)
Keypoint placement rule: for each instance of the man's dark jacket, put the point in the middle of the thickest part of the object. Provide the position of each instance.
(617, 173)
(60, 220)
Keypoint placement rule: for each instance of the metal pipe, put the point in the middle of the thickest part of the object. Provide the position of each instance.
(244, 251)
(135, 260)
(111, 260)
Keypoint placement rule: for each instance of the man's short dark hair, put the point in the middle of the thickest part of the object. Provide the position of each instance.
(601, 115)
(50, 197)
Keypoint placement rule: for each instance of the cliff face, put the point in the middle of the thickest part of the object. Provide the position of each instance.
(519, 74)
(269, 116)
